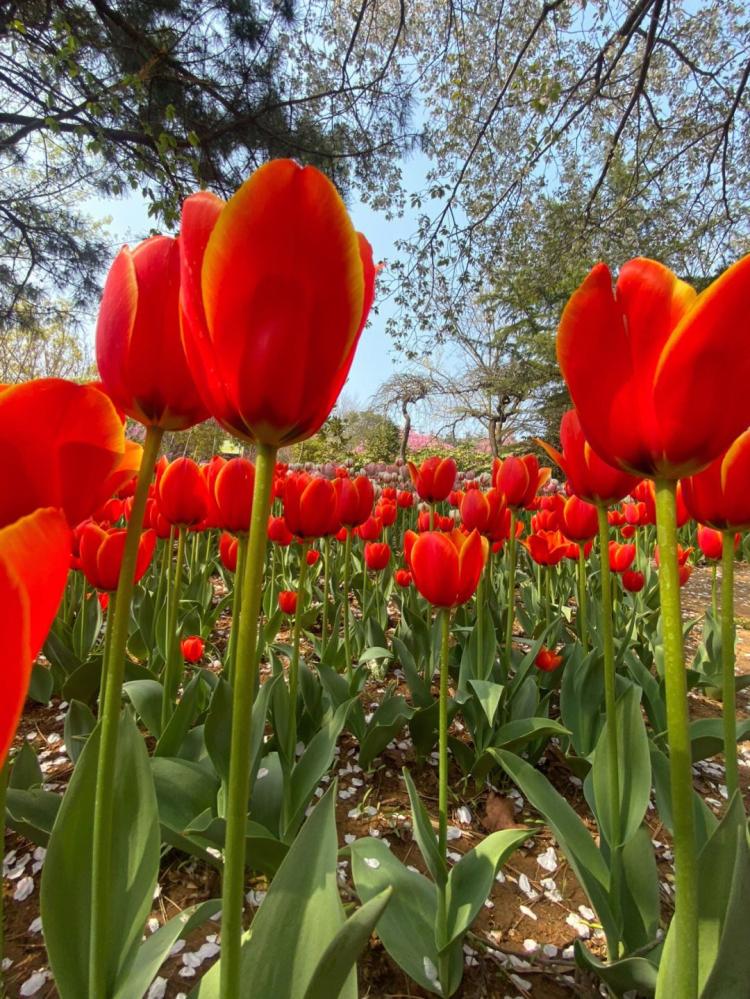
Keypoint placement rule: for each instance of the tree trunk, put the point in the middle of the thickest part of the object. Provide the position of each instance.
(404, 433)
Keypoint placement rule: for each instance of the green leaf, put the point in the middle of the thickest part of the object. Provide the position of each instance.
(375, 652)
(489, 695)
(66, 877)
(32, 813)
(515, 734)
(79, 724)
(387, 721)
(263, 852)
(183, 789)
(425, 835)
(342, 952)
(634, 769)
(707, 736)
(628, 974)
(705, 820)
(41, 684)
(470, 881)
(407, 927)
(154, 951)
(25, 772)
(146, 697)
(299, 917)
(181, 719)
(574, 838)
(638, 895)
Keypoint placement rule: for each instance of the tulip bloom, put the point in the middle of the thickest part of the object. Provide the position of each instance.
(139, 348)
(720, 495)
(657, 373)
(683, 554)
(633, 580)
(228, 547)
(589, 476)
(386, 512)
(405, 499)
(377, 556)
(233, 495)
(278, 532)
(546, 547)
(519, 479)
(34, 561)
(62, 442)
(710, 542)
(621, 557)
(288, 601)
(101, 554)
(580, 521)
(183, 493)
(310, 506)
(482, 511)
(434, 478)
(192, 649)
(446, 567)
(370, 530)
(403, 578)
(354, 500)
(276, 289)
(547, 660)
(312, 555)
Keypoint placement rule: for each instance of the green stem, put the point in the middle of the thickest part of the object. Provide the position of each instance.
(364, 584)
(480, 610)
(107, 645)
(243, 695)
(442, 888)
(294, 664)
(347, 577)
(685, 955)
(237, 604)
(714, 604)
(326, 585)
(173, 667)
(609, 676)
(727, 662)
(583, 625)
(101, 897)
(511, 592)
(547, 594)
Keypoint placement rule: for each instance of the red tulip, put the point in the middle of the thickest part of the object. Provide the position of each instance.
(590, 478)
(403, 578)
(580, 519)
(546, 547)
(370, 530)
(386, 512)
(405, 499)
(377, 556)
(547, 660)
(615, 518)
(646, 497)
(633, 580)
(720, 495)
(547, 520)
(434, 478)
(683, 554)
(354, 500)
(483, 511)
(183, 493)
(388, 493)
(276, 289)
(288, 601)
(228, 547)
(101, 555)
(278, 532)
(103, 599)
(312, 556)
(60, 444)
(192, 649)
(34, 560)
(310, 506)
(139, 348)
(628, 531)
(233, 494)
(657, 373)
(620, 556)
(455, 497)
(446, 567)
(685, 572)
(519, 479)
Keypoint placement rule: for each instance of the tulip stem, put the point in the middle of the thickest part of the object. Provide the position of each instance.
(172, 668)
(326, 586)
(610, 677)
(347, 577)
(583, 625)
(727, 661)
(364, 584)
(243, 695)
(442, 888)
(294, 664)
(685, 955)
(511, 593)
(237, 604)
(105, 653)
(101, 880)
(714, 604)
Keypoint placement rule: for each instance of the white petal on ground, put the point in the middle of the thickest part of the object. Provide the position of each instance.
(32, 985)
(548, 859)
(158, 989)
(374, 864)
(24, 888)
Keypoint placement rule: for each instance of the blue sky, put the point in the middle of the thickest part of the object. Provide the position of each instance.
(375, 359)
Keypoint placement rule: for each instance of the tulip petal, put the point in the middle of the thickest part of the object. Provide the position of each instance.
(471, 559)
(434, 562)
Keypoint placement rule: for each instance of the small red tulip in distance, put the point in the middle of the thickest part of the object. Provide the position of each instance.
(377, 556)
(710, 541)
(434, 478)
(288, 601)
(312, 556)
(192, 649)
(580, 520)
(403, 578)
(547, 660)
(633, 580)
(101, 554)
(278, 532)
(310, 506)
(228, 547)
(183, 493)
(405, 499)
(621, 557)
(355, 498)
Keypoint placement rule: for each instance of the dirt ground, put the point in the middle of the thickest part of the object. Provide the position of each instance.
(521, 945)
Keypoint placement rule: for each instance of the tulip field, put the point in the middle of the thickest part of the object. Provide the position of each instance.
(275, 731)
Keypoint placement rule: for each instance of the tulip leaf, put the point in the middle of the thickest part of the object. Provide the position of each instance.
(41, 684)
(515, 734)
(84, 682)
(146, 697)
(181, 719)
(375, 652)
(25, 772)
(184, 790)
(387, 721)
(79, 724)
(628, 974)
(341, 954)
(425, 835)
(489, 695)
(32, 813)
(581, 697)
(470, 881)
(707, 736)
(66, 876)
(704, 819)
(299, 917)
(638, 894)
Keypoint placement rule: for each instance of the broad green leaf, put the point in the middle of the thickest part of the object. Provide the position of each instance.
(184, 790)
(515, 734)
(32, 813)
(424, 834)
(135, 851)
(489, 695)
(638, 895)
(146, 697)
(628, 974)
(375, 652)
(41, 684)
(471, 880)
(263, 852)
(341, 954)
(299, 917)
(705, 820)
(79, 724)
(181, 719)
(25, 772)
(707, 736)
(387, 721)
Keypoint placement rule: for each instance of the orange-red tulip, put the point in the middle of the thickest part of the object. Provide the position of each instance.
(101, 555)
(192, 648)
(34, 560)
(288, 601)
(183, 493)
(276, 289)
(139, 349)
(547, 660)
(434, 478)
(278, 532)
(233, 495)
(354, 500)
(580, 521)
(403, 578)
(657, 373)
(621, 557)
(546, 547)
(446, 567)
(228, 547)
(720, 495)
(519, 479)
(377, 556)
(310, 506)
(633, 580)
